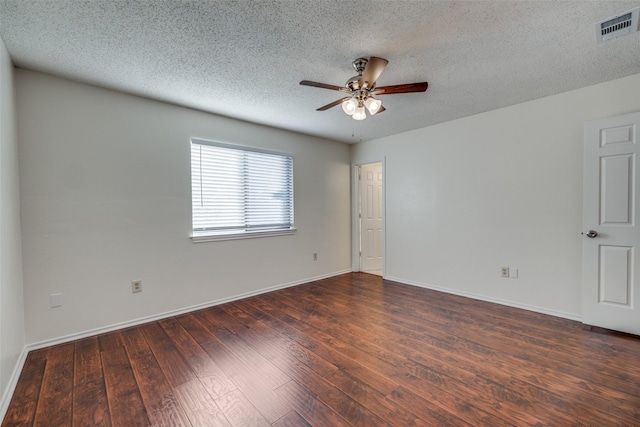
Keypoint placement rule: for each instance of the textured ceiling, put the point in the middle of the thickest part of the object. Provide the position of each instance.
(244, 59)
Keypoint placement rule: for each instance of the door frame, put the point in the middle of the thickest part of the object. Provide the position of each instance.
(356, 232)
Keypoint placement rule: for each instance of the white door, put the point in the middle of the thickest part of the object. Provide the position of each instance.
(611, 222)
(371, 218)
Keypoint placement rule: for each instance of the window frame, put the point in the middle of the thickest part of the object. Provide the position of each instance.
(218, 235)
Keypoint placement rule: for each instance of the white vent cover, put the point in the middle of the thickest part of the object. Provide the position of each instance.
(617, 26)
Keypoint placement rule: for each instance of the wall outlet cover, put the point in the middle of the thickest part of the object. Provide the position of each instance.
(136, 286)
(55, 300)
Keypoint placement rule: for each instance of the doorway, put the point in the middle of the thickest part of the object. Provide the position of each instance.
(370, 218)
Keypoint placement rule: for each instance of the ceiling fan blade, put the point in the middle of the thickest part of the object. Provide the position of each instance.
(372, 71)
(333, 104)
(322, 85)
(405, 88)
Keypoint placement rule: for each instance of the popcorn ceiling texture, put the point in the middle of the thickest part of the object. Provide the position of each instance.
(244, 59)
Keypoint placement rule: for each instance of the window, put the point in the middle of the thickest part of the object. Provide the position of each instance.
(239, 192)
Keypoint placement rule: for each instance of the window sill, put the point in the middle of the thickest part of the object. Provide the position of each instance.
(203, 236)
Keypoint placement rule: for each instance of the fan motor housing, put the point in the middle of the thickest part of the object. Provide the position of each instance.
(353, 83)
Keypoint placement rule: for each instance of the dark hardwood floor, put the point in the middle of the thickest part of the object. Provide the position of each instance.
(350, 350)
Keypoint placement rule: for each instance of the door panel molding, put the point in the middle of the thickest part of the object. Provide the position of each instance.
(611, 256)
(357, 233)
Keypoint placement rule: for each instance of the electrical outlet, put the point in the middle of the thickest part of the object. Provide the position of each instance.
(504, 271)
(315, 256)
(136, 286)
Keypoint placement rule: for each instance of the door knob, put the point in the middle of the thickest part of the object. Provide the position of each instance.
(592, 233)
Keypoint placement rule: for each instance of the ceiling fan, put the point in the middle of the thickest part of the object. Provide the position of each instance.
(361, 89)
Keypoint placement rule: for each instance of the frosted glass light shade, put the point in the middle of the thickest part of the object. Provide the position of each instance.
(349, 106)
(373, 105)
(359, 114)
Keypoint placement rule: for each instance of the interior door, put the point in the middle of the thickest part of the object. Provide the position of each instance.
(371, 234)
(611, 241)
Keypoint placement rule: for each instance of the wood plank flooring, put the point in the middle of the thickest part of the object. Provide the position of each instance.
(352, 350)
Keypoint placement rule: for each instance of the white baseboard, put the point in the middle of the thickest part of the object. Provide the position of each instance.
(535, 309)
(160, 316)
(8, 393)
(13, 381)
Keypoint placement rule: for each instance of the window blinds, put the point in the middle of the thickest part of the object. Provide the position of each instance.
(240, 190)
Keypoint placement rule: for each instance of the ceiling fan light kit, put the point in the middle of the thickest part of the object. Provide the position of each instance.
(372, 104)
(349, 106)
(362, 88)
(359, 114)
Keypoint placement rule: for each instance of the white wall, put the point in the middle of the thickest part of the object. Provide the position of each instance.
(502, 188)
(12, 335)
(105, 188)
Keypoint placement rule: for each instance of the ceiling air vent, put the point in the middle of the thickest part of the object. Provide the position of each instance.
(617, 26)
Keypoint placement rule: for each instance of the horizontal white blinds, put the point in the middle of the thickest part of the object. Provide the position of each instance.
(240, 190)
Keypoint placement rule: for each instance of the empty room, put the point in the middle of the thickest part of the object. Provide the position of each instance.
(319, 213)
